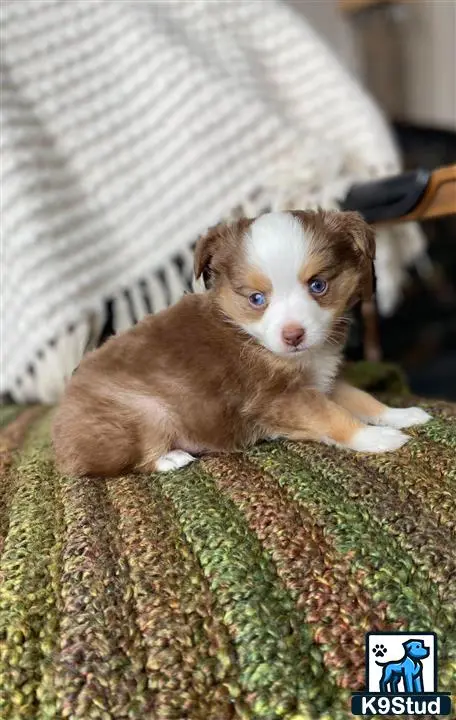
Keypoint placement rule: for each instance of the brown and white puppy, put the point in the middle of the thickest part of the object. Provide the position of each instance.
(254, 357)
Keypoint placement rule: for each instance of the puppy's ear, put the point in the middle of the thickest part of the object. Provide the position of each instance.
(351, 225)
(205, 249)
(363, 235)
(215, 250)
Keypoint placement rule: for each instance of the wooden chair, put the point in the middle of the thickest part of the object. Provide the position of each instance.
(413, 196)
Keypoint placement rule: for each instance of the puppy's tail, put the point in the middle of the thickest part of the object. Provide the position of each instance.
(95, 440)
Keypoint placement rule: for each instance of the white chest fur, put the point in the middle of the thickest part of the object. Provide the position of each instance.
(323, 366)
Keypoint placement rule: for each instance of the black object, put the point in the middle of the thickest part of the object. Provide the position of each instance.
(389, 198)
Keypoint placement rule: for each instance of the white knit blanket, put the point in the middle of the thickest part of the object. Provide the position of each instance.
(129, 128)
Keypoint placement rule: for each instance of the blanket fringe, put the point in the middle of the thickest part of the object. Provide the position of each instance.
(45, 377)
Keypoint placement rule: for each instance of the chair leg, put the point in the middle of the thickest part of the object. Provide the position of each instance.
(371, 335)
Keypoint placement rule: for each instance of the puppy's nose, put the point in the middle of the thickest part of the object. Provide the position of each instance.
(293, 335)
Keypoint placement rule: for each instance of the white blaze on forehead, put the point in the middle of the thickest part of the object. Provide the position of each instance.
(277, 245)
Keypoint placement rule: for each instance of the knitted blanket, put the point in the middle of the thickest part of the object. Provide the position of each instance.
(130, 127)
(239, 587)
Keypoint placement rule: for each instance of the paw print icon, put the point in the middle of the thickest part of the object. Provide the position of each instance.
(379, 650)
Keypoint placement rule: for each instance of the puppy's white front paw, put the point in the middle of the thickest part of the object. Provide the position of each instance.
(173, 461)
(404, 417)
(377, 439)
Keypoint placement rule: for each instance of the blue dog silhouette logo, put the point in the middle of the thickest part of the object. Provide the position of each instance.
(409, 668)
(401, 676)
(399, 662)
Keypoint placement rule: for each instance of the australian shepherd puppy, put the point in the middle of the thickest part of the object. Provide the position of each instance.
(256, 356)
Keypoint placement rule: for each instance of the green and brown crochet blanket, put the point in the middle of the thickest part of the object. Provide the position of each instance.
(239, 587)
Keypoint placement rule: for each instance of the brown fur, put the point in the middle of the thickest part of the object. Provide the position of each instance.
(342, 251)
(356, 401)
(189, 378)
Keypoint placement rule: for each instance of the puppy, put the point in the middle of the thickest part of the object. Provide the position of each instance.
(256, 356)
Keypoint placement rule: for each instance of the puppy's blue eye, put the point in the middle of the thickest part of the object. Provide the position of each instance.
(318, 286)
(257, 299)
